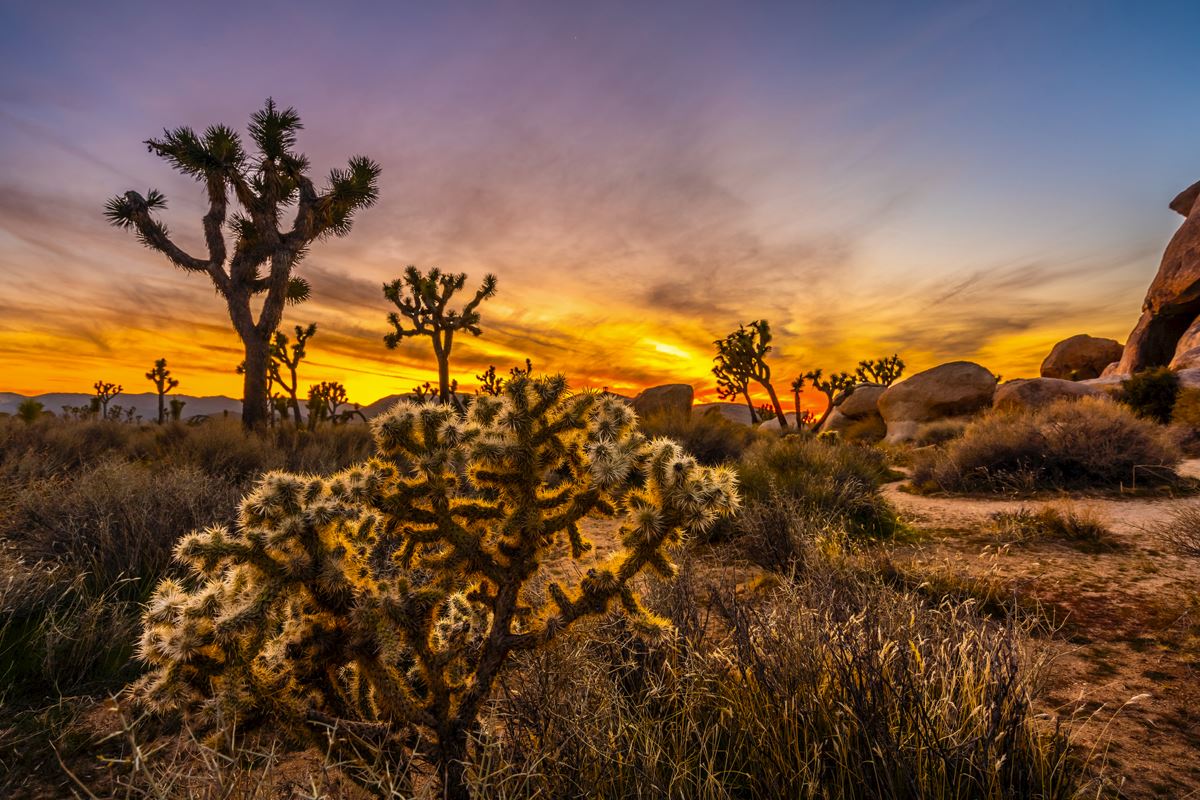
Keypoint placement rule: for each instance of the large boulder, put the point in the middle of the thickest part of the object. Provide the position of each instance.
(1172, 303)
(1080, 357)
(1023, 394)
(672, 399)
(861, 401)
(854, 405)
(950, 390)
(1109, 384)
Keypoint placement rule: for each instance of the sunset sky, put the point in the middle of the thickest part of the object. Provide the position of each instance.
(947, 181)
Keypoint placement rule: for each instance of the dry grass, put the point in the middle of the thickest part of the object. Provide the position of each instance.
(1080, 529)
(1182, 530)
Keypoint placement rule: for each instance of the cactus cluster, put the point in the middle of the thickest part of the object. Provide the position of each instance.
(385, 599)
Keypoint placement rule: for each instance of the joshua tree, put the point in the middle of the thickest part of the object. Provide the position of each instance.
(160, 376)
(385, 600)
(29, 410)
(323, 401)
(491, 384)
(732, 383)
(422, 300)
(288, 355)
(797, 388)
(742, 355)
(830, 387)
(177, 408)
(104, 393)
(884, 371)
(265, 184)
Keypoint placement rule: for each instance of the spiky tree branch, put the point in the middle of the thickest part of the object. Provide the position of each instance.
(263, 186)
(884, 371)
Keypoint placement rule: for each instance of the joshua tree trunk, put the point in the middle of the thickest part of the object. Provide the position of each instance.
(162, 411)
(750, 405)
(796, 401)
(441, 349)
(256, 402)
(778, 408)
(825, 416)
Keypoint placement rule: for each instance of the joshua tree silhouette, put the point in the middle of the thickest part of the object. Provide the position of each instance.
(422, 300)
(265, 184)
(160, 376)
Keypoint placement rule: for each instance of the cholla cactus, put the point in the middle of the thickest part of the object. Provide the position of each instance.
(386, 598)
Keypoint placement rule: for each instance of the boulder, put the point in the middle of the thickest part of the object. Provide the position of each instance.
(1187, 359)
(673, 398)
(950, 390)
(1109, 384)
(772, 422)
(734, 412)
(1172, 304)
(1189, 378)
(836, 422)
(1080, 357)
(1034, 393)
(861, 401)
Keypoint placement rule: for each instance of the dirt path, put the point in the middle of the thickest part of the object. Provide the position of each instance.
(1127, 650)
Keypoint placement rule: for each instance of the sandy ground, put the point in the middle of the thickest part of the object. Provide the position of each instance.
(1127, 645)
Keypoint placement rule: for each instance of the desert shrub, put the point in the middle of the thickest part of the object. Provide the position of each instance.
(1151, 393)
(387, 598)
(1182, 530)
(116, 521)
(777, 533)
(819, 689)
(59, 632)
(826, 479)
(940, 431)
(710, 437)
(1186, 410)
(1090, 443)
(1082, 530)
(869, 429)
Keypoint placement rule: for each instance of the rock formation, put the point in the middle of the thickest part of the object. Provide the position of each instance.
(950, 390)
(859, 403)
(1080, 357)
(673, 398)
(1168, 328)
(1028, 394)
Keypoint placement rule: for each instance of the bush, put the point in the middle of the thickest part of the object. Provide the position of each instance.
(710, 437)
(1082, 530)
(818, 688)
(1090, 443)
(869, 430)
(1182, 530)
(940, 431)
(388, 597)
(1151, 393)
(827, 479)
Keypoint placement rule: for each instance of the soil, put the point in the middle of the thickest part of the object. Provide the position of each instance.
(1124, 630)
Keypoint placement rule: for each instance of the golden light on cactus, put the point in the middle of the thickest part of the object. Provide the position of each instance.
(391, 594)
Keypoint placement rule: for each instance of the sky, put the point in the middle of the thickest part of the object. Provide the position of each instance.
(961, 180)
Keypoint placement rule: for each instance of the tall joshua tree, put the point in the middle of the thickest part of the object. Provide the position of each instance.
(160, 376)
(264, 184)
(422, 300)
(743, 355)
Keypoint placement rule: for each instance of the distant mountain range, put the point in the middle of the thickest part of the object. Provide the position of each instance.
(146, 404)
